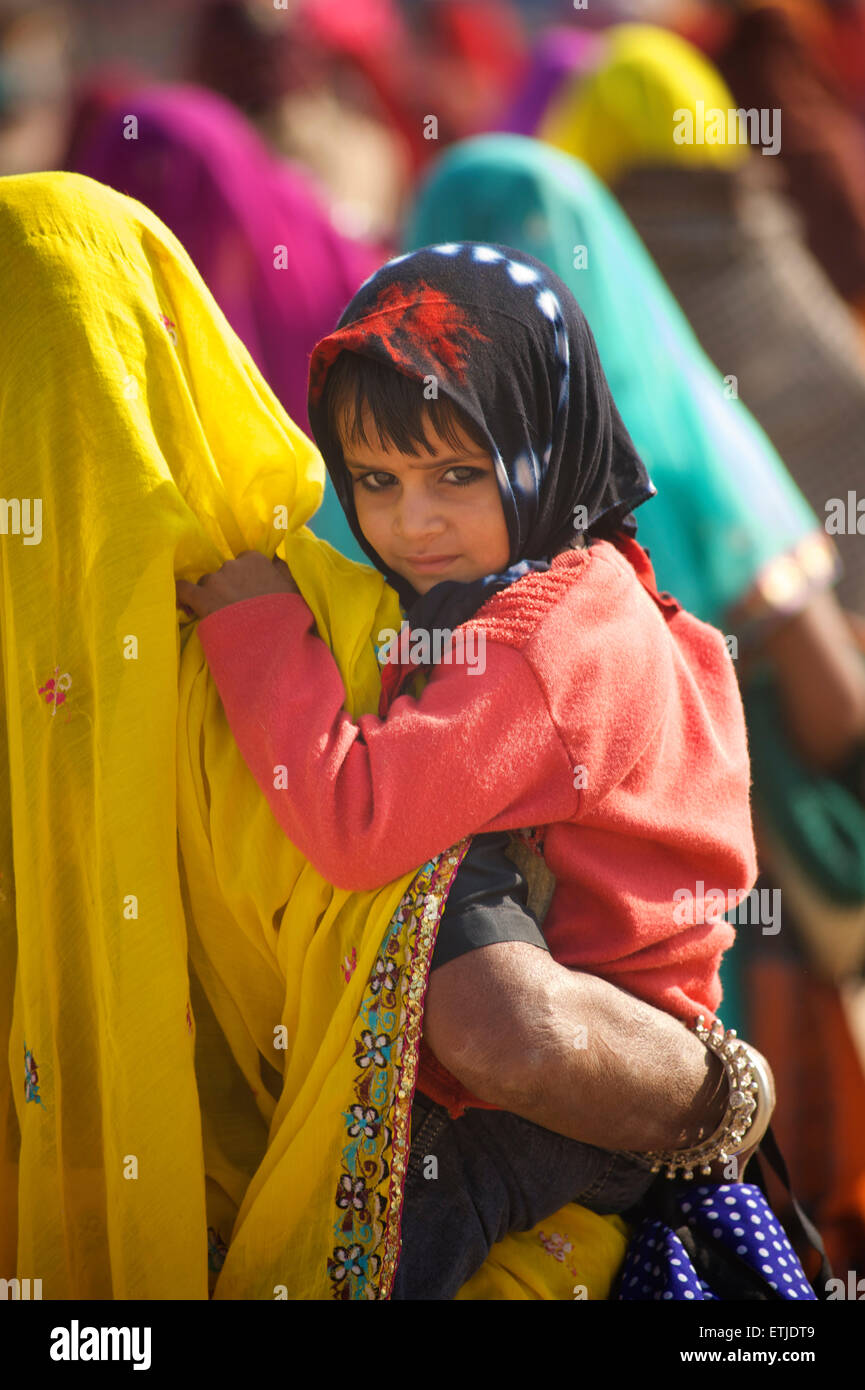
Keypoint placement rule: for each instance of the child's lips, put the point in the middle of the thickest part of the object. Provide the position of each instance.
(429, 562)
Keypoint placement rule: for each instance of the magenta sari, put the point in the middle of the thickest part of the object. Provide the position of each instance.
(255, 226)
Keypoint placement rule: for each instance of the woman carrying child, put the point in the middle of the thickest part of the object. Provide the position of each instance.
(472, 438)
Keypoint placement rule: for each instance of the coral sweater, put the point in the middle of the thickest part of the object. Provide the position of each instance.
(606, 714)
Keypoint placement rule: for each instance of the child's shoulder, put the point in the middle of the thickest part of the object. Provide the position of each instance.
(583, 590)
(598, 648)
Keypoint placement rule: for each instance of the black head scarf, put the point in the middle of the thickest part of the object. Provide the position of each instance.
(507, 342)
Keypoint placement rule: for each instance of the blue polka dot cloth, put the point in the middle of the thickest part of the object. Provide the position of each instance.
(733, 1219)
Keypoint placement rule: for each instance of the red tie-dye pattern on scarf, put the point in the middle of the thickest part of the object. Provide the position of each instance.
(422, 332)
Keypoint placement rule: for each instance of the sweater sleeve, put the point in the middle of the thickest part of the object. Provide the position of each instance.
(369, 801)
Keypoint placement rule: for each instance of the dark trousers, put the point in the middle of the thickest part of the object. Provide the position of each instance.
(493, 1172)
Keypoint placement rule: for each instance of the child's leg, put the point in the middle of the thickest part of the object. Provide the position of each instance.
(472, 1180)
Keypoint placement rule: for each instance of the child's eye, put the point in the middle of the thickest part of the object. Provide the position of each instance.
(466, 475)
(375, 482)
(459, 476)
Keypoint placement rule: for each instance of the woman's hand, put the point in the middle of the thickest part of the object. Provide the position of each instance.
(756, 1133)
(249, 576)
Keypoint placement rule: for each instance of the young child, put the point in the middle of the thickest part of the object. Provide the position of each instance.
(470, 433)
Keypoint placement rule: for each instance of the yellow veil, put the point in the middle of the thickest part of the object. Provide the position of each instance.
(211, 1051)
(624, 112)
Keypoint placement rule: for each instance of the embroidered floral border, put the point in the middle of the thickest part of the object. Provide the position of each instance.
(369, 1192)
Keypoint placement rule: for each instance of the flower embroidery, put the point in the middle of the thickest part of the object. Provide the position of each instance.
(368, 1194)
(556, 1245)
(216, 1250)
(351, 1261)
(367, 1121)
(375, 1049)
(55, 690)
(31, 1078)
(171, 328)
(351, 1192)
(349, 965)
(385, 974)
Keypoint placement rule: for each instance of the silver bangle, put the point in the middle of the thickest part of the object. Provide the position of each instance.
(748, 1100)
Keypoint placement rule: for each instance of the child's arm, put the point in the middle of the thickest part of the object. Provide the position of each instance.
(369, 801)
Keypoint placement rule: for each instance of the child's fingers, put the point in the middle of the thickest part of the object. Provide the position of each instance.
(184, 590)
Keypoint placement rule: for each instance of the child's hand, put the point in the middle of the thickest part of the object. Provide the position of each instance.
(249, 576)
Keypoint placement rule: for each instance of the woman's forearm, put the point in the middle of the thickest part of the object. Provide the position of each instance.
(571, 1052)
(821, 677)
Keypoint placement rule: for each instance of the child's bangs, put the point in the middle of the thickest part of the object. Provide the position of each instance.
(361, 392)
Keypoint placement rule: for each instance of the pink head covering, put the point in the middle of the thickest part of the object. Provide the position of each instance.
(254, 226)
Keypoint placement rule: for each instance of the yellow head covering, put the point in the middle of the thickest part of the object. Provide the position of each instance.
(203, 1062)
(640, 104)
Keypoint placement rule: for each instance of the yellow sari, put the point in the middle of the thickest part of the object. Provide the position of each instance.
(650, 89)
(211, 1051)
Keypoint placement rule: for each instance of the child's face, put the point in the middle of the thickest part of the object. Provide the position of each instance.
(429, 517)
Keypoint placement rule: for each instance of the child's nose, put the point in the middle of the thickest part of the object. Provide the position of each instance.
(417, 515)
